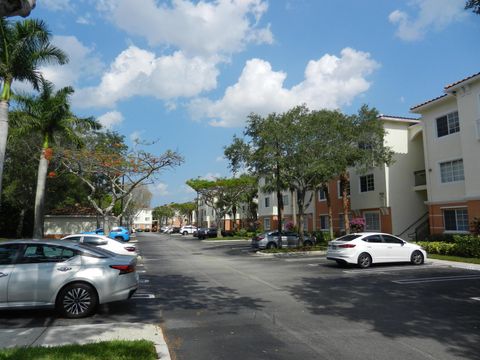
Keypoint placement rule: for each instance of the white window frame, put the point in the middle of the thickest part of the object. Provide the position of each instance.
(379, 221)
(440, 163)
(456, 231)
(327, 222)
(360, 183)
(321, 191)
(266, 223)
(448, 124)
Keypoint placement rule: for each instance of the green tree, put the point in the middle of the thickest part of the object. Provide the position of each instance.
(474, 5)
(24, 46)
(49, 115)
(163, 214)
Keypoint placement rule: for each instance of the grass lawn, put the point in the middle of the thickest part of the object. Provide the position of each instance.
(455, 258)
(118, 350)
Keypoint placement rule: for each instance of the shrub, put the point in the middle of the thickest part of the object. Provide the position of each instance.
(357, 225)
(467, 245)
(438, 247)
(241, 232)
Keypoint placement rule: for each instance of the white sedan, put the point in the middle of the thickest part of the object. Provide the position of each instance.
(365, 249)
(103, 242)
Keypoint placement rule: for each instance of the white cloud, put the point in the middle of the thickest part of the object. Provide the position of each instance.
(85, 19)
(139, 72)
(57, 5)
(111, 119)
(195, 27)
(432, 15)
(83, 63)
(136, 136)
(220, 158)
(330, 82)
(211, 176)
(160, 189)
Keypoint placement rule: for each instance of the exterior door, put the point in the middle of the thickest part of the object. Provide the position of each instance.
(376, 247)
(8, 254)
(396, 249)
(40, 272)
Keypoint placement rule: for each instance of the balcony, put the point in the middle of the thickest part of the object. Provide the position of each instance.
(420, 180)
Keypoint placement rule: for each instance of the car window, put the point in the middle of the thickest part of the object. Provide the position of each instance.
(42, 253)
(373, 239)
(392, 239)
(74, 238)
(8, 253)
(347, 237)
(93, 240)
(88, 250)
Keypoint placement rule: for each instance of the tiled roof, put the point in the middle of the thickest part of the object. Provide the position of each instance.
(400, 118)
(428, 102)
(460, 81)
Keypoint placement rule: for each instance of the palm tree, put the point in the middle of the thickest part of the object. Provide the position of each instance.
(49, 115)
(24, 46)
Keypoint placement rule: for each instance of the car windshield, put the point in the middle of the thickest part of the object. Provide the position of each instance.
(348, 237)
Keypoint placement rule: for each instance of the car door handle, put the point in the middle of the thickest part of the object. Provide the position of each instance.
(3, 274)
(64, 268)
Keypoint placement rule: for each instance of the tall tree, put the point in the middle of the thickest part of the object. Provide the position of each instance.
(49, 115)
(474, 5)
(24, 46)
(163, 214)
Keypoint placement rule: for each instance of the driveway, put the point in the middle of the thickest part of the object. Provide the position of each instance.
(219, 301)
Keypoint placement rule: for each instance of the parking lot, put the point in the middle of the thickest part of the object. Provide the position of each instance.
(219, 300)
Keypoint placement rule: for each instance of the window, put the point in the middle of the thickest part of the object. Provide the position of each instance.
(451, 171)
(392, 239)
(322, 195)
(266, 224)
(367, 183)
(324, 223)
(448, 124)
(305, 224)
(372, 221)
(285, 199)
(456, 219)
(341, 224)
(8, 253)
(373, 239)
(45, 254)
(147, 219)
(93, 240)
(267, 202)
(340, 189)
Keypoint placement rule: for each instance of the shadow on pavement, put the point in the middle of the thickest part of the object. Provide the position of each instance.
(437, 311)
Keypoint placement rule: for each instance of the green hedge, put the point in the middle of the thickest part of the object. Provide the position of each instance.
(462, 245)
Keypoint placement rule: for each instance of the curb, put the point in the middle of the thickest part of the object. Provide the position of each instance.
(292, 254)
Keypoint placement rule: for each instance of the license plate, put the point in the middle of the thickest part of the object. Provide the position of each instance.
(333, 247)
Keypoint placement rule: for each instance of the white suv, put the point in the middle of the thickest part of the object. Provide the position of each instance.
(187, 229)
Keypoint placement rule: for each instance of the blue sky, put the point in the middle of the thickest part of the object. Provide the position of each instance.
(187, 73)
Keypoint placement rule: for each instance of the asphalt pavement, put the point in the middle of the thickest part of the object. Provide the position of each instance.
(217, 300)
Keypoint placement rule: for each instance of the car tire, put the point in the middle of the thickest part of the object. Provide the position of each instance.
(417, 258)
(364, 260)
(184, 233)
(271, 245)
(119, 238)
(77, 300)
(308, 243)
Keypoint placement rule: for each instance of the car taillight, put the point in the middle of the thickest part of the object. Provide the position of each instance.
(346, 246)
(130, 248)
(124, 269)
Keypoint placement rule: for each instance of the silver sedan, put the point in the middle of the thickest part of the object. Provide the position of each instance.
(73, 278)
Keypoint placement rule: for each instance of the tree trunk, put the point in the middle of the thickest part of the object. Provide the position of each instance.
(40, 196)
(21, 218)
(345, 202)
(301, 215)
(3, 138)
(330, 212)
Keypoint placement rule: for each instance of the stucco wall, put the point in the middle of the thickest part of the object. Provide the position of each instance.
(61, 225)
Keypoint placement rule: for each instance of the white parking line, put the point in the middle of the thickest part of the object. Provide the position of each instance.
(143, 296)
(475, 298)
(387, 269)
(141, 271)
(144, 281)
(437, 279)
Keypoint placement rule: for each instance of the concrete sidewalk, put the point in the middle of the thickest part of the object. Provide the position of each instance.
(83, 334)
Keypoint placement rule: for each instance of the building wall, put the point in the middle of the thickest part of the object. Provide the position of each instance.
(58, 226)
(143, 219)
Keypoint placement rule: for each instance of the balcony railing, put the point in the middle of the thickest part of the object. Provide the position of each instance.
(420, 178)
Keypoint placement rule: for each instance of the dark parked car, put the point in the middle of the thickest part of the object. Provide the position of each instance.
(203, 233)
(270, 239)
(175, 230)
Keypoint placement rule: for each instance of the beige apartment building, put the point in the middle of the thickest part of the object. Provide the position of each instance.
(451, 139)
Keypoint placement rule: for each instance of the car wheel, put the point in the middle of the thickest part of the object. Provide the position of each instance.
(77, 300)
(119, 238)
(364, 260)
(307, 244)
(184, 233)
(271, 246)
(417, 258)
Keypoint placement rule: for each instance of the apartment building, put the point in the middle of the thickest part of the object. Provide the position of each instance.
(143, 219)
(451, 138)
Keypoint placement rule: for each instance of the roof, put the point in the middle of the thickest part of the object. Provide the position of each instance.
(399, 118)
(428, 102)
(448, 89)
(461, 81)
